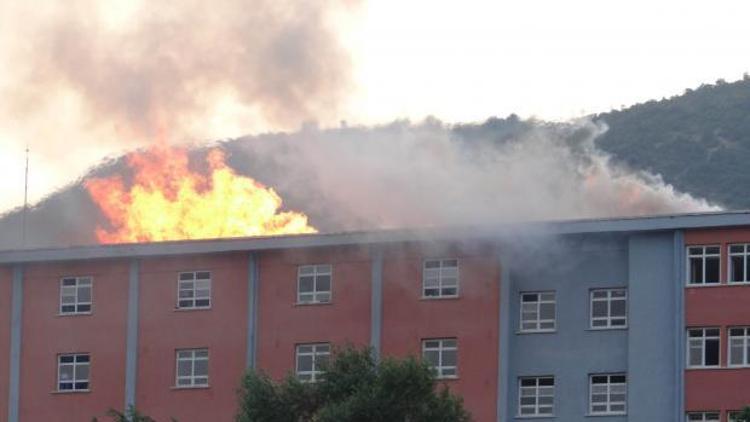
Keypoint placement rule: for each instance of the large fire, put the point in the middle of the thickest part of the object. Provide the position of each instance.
(167, 200)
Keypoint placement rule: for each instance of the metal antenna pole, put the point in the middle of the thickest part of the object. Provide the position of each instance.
(25, 198)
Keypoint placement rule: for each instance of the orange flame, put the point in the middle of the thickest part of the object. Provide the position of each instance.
(166, 200)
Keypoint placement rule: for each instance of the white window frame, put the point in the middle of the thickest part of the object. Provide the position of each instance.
(318, 351)
(79, 360)
(442, 371)
(608, 300)
(539, 321)
(440, 274)
(745, 254)
(609, 387)
(702, 341)
(189, 287)
(537, 390)
(703, 255)
(744, 341)
(316, 296)
(192, 356)
(704, 416)
(73, 291)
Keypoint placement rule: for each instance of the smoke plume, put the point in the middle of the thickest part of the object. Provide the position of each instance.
(404, 174)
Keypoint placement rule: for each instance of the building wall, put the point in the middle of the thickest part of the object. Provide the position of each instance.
(571, 267)
(47, 334)
(723, 306)
(472, 318)
(6, 282)
(282, 323)
(163, 329)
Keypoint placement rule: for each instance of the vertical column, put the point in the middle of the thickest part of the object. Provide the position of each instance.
(504, 336)
(15, 344)
(679, 324)
(376, 301)
(252, 307)
(131, 345)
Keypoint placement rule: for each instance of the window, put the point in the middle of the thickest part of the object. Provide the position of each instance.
(703, 347)
(735, 416)
(739, 264)
(538, 312)
(314, 284)
(194, 290)
(536, 396)
(703, 264)
(441, 354)
(703, 417)
(75, 295)
(310, 359)
(739, 346)
(440, 278)
(73, 372)
(192, 368)
(608, 394)
(609, 308)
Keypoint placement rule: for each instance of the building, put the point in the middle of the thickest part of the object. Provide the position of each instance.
(636, 319)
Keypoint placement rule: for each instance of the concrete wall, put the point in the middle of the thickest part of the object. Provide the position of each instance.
(471, 318)
(652, 336)
(6, 282)
(571, 267)
(724, 305)
(282, 323)
(163, 329)
(47, 334)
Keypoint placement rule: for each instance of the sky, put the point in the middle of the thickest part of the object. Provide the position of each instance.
(76, 80)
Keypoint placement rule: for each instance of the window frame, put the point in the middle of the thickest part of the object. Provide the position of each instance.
(608, 300)
(745, 254)
(76, 303)
(539, 319)
(440, 368)
(75, 364)
(193, 358)
(703, 338)
(536, 406)
(703, 414)
(194, 298)
(315, 293)
(609, 386)
(745, 347)
(440, 283)
(703, 256)
(315, 373)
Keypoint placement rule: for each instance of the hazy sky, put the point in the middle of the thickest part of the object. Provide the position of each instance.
(386, 59)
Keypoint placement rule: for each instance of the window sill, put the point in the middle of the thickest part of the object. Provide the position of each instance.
(607, 329)
(70, 391)
(604, 415)
(534, 416)
(203, 308)
(189, 387)
(703, 368)
(705, 285)
(440, 297)
(519, 332)
(448, 378)
(74, 314)
(312, 303)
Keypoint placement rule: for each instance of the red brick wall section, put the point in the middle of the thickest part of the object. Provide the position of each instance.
(723, 306)
(472, 318)
(47, 334)
(6, 281)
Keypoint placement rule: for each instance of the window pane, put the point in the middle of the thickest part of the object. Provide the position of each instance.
(186, 276)
(306, 284)
(324, 283)
(599, 309)
(712, 352)
(449, 358)
(696, 270)
(305, 363)
(84, 294)
(82, 372)
(712, 270)
(547, 311)
(530, 298)
(201, 367)
(737, 272)
(618, 308)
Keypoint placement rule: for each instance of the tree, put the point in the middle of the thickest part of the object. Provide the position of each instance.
(354, 387)
(129, 415)
(744, 415)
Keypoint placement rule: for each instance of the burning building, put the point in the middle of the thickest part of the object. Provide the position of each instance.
(624, 319)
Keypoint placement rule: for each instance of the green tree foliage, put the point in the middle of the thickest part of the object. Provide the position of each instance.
(744, 415)
(354, 388)
(130, 415)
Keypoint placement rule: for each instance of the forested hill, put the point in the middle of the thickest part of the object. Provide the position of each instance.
(699, 141)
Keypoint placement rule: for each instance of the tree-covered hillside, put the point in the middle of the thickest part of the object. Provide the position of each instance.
(699, 141)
